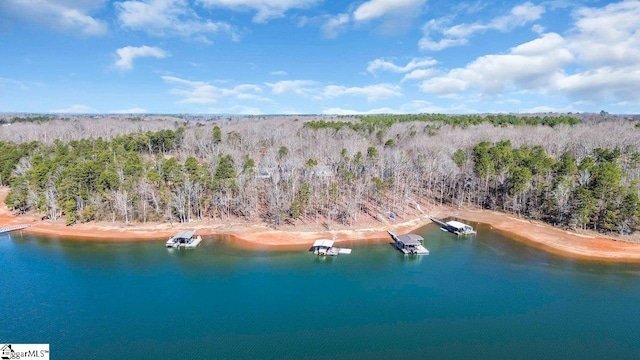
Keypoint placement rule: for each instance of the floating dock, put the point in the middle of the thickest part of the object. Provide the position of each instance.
(324, 247)
(409, 244)
(184, 239)
(8, 229)
(454, 227)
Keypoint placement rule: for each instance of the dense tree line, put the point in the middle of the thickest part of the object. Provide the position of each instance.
(35, 119)
(288, 171)
(375, 122)
(590, 194)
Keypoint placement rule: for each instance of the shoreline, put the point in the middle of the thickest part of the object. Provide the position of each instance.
(569, 244)
(591, 246)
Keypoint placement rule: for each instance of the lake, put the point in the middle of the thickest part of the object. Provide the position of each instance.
(483, 297)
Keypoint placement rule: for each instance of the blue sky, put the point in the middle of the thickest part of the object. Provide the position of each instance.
(319, 57)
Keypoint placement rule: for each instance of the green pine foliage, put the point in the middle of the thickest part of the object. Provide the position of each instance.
(589, 195)
(372, 123)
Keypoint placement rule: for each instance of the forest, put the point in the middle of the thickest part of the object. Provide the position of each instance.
(559, 169)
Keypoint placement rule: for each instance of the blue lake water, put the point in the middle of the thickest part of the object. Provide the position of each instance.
(483, 298)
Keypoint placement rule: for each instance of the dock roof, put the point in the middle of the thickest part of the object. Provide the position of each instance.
(458, 225)
(323, 243)
(186, 234)
(410, 239)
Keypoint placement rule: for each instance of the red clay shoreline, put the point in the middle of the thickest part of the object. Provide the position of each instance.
(590, 246)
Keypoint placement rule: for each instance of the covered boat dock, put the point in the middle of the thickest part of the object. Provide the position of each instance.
(409, 244)
(324, 247)
(184, 239)
(459, 228)
(454, 227)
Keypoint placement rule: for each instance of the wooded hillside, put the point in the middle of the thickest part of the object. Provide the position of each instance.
(559, 169)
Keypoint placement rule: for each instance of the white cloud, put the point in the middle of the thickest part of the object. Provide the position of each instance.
(520, 15)
(169, 17)
(608, 35)
(423, 107)
(194, 92)
(128, 54)
(334, 25)
(202, 93)
(265, 9)
(419, 74)
(531, 65)
(468, 7)
(606, 42)
(396, 15)
(278, 73)
(237, 109)
(605, 83)
(300, 87)
(426, 44)
(458, 35)
(538, 29)
(341, 111)
(58, 14)
(129, 111)
(540, 46)
(307, 88)
(412, 107)
(13, 83)
(548, 109)
(415, 69)
(384, 65)
(371, 92)
(374, 9)
(75, 109)
(598, 60)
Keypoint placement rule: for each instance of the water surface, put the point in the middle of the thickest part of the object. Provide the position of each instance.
(483, 297)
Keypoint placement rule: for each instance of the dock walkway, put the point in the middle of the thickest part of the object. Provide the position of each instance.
(8, 229)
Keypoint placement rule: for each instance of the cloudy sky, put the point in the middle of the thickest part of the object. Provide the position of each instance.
(319, 56)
